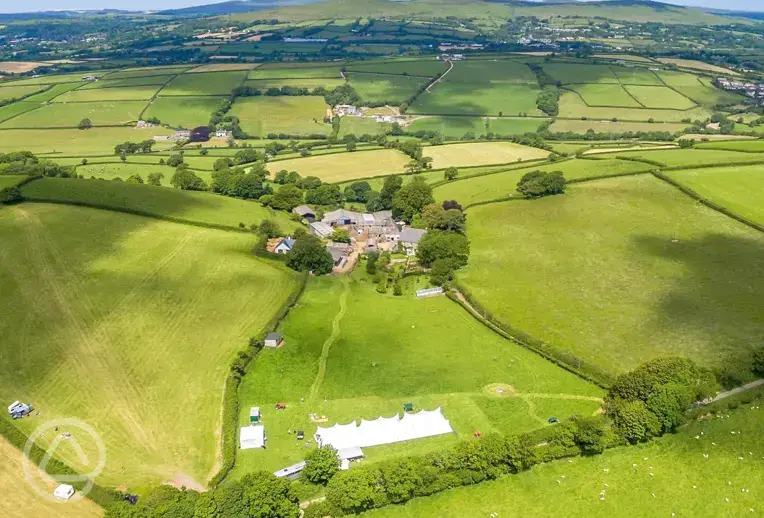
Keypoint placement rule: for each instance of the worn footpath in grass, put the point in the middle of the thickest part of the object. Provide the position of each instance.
(340, 167)
(683, 483)
(166, 202)
(26, 501)
(481, 153)
(349, 363)
(735, 188)
(103, 326)
(619, 271)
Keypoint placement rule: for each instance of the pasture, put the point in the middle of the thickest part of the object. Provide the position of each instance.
(481, 153)
(350, 363)
(51, 93)
(504, 184)
(608, 126)
(407, 67)
(693, 157)
(162, 202)
(340, 167)
(636, 76)
(659, 97)
(299, 115)
(574, 73)
(735, 188)
(684, 483)
(735, 145)
(572, 106)
(289, 71)
(146, 72)
(127, 82)
(636, 269)
(309, 82)
(595, 94)
(118, 170)
(25, 501)
(457, 127)
(133, 93)
(10, 180)
(697, 65)
(69, 115)
(182, 112)
(75, 142)
(362, 126)
(698, 89)
(206, 83)
(390, 89)
(17, 92)
(104, 328)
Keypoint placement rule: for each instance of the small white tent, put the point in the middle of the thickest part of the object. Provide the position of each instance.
(63, 492)
(252, 437)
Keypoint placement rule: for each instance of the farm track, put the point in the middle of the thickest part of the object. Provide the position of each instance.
(329, 341)
(438, 80)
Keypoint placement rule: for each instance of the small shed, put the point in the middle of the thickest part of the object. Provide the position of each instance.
(274, 339)
(63, 492)
(254, 414)
(251, 437)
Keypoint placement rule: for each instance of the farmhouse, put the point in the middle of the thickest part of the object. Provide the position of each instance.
(339, 253)
(305, 212)
(223, 134)
(181, 135)
(409, 239)
(251, 437)
(144, 124)
(284, 246)
(274, 339)
(321, 229)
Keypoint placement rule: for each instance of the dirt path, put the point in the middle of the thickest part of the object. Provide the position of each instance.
(736, 390)
(329, 341)
(438, 80)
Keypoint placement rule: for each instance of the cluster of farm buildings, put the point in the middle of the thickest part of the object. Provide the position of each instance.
(348, 110)
(752, 90)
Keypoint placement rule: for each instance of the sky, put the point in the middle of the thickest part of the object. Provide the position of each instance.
(136, 5)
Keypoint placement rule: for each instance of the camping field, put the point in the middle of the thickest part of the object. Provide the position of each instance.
(349, 363)
(684, 483)
(340, 167)
(628, 260)
(102, 326)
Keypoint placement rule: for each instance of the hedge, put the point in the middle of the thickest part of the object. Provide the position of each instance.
(711, 166)
(644, 160)
(567, 361)
(238, 368)
(17, 438)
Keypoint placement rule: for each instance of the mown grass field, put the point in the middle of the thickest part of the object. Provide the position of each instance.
(302, 115)
(385, 88)
(104, 327)
(184, 112)
(735, 188)
(160, 201)
(59, 115)
(362, 126)
(684, 483)
(75, 142)
(482, 88)
(481, 153)
(693, 157)
(345, 166)
(501, 185)
(436, 353)
(634, 267)
(208, 83)
(26, 502)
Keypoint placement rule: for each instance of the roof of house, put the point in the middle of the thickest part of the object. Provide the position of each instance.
(341, 214)
(274, 336)
(412, 235)
(303, 210)
(322, 228)
(288, 241)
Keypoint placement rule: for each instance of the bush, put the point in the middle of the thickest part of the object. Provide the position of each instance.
(318, 510)
(540, 183)
(310, 255)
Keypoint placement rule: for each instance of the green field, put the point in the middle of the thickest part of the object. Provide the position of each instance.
(9, 180)
(74, 142)
(59, 115)
(146, 72)
(481, 153)
(51, 79)
(659, 97)
(684, 483)
(571, 106)
(361, 125)
(183, 112)
(699, 89)
(636, 269)
(636, 76)
(308, 82)
(289, 71)
(407, 67)
(133, 93)
(368, 363)
(735, 188)
(341, 167)
(693, 157)
(206, 83)
(376, 88)
(735, 145)
(607, 126)
(51, 93)
(104, 327)
(456, 127)
(605, 95)
(299, 115)
(17, 92)
(110, 171)
(501, 185)
(127, 82)
(573, 73)
(482, 88)
(160, 201)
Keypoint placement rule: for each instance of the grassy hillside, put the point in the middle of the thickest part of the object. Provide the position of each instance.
(104, 325)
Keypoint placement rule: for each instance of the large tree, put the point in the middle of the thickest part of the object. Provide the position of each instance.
(321, 465)
(310, 255)
(187, 180)
(438, 244)
(540, 183)
(412, 198)
(288, 197)
(390, 186)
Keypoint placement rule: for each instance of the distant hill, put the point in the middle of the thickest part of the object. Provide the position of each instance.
(232, 7)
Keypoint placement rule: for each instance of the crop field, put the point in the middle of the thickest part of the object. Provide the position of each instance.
(573, 73)
(60, 115)
(342, 359)
(684, 483)
(17, 92)
(594, 94)
(571, 106)
(209, 83)
(659, 272)
(300, 115)
(115, 342)
(735, 188)
(482, 88)
(694, 157)
(607, 126)
(74, 142)
(501, 185)
(163, 202)
(385, 88)
(482, 153)
(659, 97)
(281, 71)
(183, 112)
(340, 167)
(133, 93)
(26, 498)
(426, 68)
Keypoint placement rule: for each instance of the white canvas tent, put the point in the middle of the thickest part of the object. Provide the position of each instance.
(252, 437)
(63, 492)
(384, 430)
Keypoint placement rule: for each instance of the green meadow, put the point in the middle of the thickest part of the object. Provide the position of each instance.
(183, 112)
(301, 115)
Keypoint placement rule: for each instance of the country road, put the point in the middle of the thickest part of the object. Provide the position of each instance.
(438, 80)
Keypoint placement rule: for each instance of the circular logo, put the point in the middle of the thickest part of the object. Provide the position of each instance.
(75, 433)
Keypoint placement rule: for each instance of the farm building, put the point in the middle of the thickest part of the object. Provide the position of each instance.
(251, 437)
(274, 339)
(305, 212)
(429, 292)
(254, 414)
(342, 217)
(339, 253)
(63, 492)
(284, 246)
(223, 134)
(321, 229)
(291, 472)
(409, 239)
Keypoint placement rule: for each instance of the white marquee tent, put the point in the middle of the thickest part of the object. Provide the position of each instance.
(252, 437)
(384, 430)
